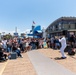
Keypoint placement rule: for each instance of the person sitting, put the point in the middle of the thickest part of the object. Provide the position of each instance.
(2, 55)
(17, 50)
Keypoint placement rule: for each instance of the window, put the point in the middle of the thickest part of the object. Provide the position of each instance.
(69, 26)
(75, 25)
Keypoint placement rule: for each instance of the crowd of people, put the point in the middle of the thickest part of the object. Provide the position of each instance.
(20, 45)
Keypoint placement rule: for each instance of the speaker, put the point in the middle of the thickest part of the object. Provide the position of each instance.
(13, 55)
(64, 32)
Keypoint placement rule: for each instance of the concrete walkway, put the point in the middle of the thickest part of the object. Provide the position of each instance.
(19, 66)
(46, 66)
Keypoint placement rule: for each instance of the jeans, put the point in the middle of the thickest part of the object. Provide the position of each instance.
(33, 46)
(18, 53)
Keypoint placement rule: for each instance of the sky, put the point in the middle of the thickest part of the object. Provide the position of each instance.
(22, 13)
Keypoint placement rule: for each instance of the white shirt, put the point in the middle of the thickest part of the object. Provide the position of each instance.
(52, 40)
(4, 43)
(63, 41)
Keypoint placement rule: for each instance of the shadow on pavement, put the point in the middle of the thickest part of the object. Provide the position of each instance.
(59, 58)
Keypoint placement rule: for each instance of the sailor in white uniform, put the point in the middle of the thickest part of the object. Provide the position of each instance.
(63, 46)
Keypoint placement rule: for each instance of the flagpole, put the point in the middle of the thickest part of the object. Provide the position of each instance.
(33, 26)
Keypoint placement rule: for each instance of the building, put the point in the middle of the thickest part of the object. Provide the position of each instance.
(61, 24)
(23, 35)
(15, 34)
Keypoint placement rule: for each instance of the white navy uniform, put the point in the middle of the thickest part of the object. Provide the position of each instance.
(63, 45)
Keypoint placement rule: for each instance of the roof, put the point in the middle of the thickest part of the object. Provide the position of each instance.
(60, 19)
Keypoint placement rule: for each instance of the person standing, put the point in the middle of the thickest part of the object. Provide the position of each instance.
(4, 41)
(63, 46)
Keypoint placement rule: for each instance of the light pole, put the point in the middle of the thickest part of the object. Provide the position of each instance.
(0, 36)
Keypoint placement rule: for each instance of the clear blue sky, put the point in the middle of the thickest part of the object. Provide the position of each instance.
(21, 13)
